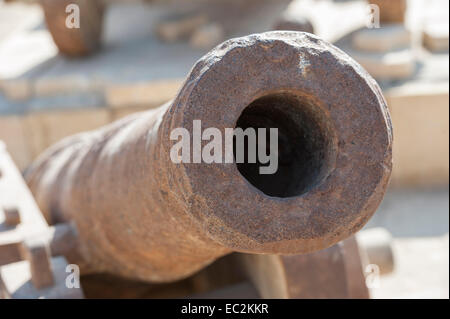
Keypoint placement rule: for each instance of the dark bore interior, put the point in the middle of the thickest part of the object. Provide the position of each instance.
(304, 144)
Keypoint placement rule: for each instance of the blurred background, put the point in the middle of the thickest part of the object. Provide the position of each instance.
(135, 54)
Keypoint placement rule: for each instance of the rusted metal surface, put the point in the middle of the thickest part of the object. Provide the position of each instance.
(140, 215)
(74, 41)
(391, 11)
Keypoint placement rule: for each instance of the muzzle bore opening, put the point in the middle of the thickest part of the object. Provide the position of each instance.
(305, 144)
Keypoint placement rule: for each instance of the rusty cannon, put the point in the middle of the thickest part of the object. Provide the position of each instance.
(139, 214)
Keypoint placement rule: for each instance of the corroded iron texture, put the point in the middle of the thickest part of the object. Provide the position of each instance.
(140, 215)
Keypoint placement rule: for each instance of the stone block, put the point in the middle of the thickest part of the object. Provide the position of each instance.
(207, 36)
(435, 37)
(17, 281)
(178, 28)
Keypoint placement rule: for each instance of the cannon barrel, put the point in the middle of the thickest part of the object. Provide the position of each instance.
(138, 214)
